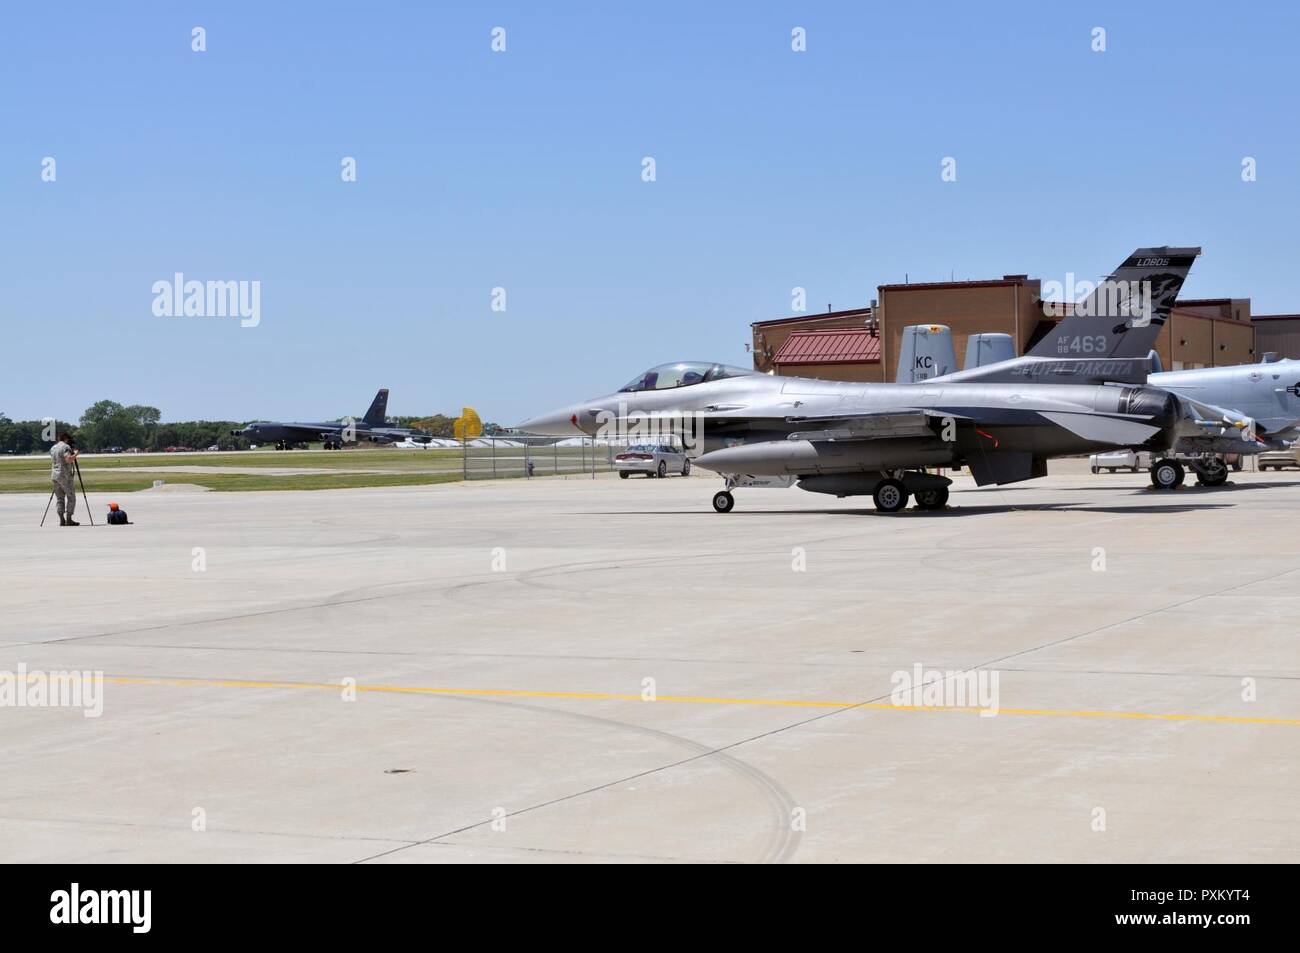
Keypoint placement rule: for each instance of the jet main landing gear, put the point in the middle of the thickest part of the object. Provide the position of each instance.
(1211, 472)
(935, 499)
(890, 495)
(1167, 474)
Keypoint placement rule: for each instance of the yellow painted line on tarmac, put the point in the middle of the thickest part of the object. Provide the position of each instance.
(688, 699)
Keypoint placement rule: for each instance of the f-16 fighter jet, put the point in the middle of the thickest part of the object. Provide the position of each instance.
(1080, 390)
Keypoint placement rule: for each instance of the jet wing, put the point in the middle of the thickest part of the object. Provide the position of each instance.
(1119, 430)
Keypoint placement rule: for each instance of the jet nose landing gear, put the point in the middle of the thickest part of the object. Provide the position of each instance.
(723, 501)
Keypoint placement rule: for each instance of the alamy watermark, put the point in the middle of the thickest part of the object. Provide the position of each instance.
(1108, 298)
(646, 427)
(37, 689)
(923, 687)
(179, 298)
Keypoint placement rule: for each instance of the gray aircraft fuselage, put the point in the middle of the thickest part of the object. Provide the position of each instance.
(295, 432)
(1002, 430)
(1266, 392)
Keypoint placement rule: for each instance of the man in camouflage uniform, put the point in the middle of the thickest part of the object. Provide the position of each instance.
(64, 475)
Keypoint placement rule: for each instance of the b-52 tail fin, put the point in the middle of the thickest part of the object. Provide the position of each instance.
(376, 415)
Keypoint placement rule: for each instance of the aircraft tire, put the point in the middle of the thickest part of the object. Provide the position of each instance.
(890, 496)
(1213, 477)
(935, 499)
(723, 501)
(1167, 474)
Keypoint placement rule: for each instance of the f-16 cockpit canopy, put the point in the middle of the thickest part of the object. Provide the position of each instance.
(683, 374)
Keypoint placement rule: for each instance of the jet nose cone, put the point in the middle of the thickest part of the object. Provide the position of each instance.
(563, 422)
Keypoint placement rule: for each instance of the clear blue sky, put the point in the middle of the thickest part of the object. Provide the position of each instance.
(523, 170)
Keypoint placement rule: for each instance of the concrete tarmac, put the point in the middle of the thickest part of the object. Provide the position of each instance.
(577, 670)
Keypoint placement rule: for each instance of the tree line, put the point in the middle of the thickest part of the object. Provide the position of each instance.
(107, 424)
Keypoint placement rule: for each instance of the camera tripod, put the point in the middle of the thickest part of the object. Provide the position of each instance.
(76, 465)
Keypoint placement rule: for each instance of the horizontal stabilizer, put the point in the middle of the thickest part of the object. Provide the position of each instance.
(1116, 430)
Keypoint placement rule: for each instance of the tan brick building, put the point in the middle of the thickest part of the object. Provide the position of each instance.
(1279, 333)
(1206, 332)
(1009, 305)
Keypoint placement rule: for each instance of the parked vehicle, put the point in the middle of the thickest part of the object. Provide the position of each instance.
(1113, 460)
(1279, 460)
(652, 459)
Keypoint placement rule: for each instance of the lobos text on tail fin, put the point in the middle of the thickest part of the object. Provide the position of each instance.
(1123, 315)
(376, 415)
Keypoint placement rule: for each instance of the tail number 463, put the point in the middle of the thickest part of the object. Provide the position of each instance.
(1083, 344)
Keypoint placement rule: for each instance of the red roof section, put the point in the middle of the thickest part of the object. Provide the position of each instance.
(829, 346)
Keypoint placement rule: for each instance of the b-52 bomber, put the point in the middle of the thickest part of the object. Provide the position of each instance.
(1082, 389)
(334, 435)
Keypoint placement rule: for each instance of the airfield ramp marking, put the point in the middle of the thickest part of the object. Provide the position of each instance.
(691, 700)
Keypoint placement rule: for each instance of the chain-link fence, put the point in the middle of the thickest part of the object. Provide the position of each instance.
(497, 457)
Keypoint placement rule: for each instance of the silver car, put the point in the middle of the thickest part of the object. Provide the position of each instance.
(1278, 459)
(1112, 460)
(652, 459)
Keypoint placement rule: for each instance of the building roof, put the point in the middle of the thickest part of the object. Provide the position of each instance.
(813, 316)
(1007, 281)
(829, 346)
(1275, 317)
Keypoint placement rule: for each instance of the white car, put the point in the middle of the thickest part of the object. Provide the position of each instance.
(1120, 460)
(652, 459)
